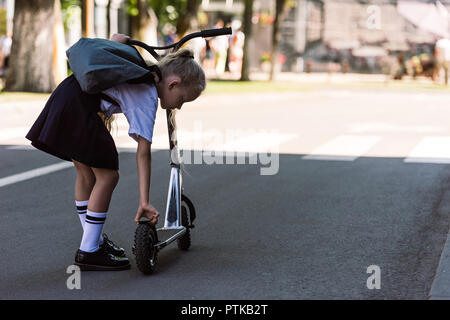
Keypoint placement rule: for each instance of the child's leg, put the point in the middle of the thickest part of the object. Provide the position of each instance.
(84, 183)
(106, 181)
(100, 197)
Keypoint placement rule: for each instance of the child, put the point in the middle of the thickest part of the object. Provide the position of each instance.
(71, 127)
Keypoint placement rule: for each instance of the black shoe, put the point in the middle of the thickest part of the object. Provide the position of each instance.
(100, 260)
(111, 248)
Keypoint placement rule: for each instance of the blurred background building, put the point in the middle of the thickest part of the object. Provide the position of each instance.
(395, 37)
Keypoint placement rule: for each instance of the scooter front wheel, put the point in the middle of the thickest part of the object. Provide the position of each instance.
(145, 239)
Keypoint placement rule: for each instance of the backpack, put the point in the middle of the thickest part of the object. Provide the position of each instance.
(99, 64)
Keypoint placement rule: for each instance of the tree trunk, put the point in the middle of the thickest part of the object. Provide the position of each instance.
(276, 35)
(108, 20)
(87, 18)
(144, 27)
(188, 20)
(248, 13)
(37, 60)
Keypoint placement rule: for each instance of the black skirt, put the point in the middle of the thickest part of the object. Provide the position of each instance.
(70, 128)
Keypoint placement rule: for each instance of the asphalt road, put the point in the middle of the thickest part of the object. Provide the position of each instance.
(310, 231)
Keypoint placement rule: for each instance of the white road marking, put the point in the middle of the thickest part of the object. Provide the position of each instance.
(343, 148)
(24, 147)
(386, 127)
(34, 173)
(434, 149)
(259, 142)
(216, 140)
(431, 150)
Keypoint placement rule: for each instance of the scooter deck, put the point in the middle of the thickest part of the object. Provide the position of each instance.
(168, 235)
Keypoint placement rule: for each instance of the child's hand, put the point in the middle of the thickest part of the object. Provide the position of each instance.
(118, 37)
(147, 211)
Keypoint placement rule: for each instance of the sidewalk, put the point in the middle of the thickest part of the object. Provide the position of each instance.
(323, 77)
(18, 117)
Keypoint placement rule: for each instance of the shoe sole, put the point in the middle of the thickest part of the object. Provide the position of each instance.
(93, 267)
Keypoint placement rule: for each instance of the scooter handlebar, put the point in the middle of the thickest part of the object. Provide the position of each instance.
(204, 33)
(215, 32)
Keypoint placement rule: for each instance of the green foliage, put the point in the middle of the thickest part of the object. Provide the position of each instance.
(168, 11)
(67, 3)
(2, 22)
(68, 12)
(132, 7)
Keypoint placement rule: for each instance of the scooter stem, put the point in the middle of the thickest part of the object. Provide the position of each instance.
(173, 208)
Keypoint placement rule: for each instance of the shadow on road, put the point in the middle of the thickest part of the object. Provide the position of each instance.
(310, 231)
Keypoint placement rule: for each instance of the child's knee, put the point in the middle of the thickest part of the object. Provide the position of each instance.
(85, 175)
(116, 177)
(109, 177)
(86, 181)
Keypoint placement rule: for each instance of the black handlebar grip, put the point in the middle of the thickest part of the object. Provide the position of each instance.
(215, 32)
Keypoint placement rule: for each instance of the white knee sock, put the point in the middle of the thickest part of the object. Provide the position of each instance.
(82, 209)
(93, 227)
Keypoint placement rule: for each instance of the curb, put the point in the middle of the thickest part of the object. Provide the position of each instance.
(440, 288)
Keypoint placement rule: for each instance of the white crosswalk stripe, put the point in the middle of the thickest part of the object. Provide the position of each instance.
(347, 147)
(216, 141)
(343, 148)
(431, 150)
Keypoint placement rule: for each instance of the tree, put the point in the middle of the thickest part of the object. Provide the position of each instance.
(247, 29)
(280, 12)
(168, 11)
(144, 24)
(188, 18)
(87, 18)
(37, 60)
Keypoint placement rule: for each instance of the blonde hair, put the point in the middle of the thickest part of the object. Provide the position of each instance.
(177, 160)
(183, 64)
(107, 121)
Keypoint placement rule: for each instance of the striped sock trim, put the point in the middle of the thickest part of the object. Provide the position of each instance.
(95, 217)
(94, 220)
(81, 206)
(81, 209)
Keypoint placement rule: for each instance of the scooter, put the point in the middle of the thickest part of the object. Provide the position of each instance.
(180, 211)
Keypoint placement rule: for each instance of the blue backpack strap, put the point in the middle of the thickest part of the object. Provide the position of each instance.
(148, 78)
(108, 98)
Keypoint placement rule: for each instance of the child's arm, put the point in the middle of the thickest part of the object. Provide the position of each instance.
(118, 37)
(143, 160)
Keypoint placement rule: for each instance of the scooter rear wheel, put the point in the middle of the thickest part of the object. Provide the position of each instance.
(144, 249)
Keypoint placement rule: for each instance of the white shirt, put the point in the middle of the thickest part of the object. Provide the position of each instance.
(138, 102)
